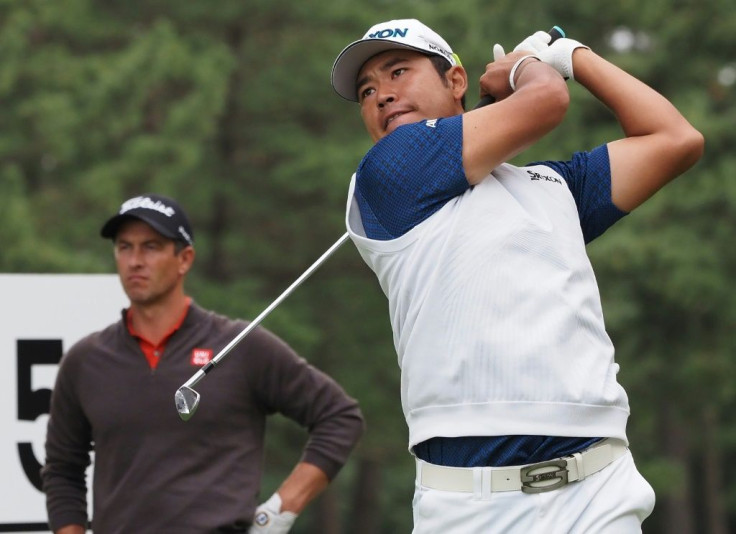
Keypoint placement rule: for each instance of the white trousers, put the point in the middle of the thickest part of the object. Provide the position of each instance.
(616, 500)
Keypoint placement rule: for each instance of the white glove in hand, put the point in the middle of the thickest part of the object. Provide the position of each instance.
(535, 43)
(557, 54)
(498, 52)
(269, 519)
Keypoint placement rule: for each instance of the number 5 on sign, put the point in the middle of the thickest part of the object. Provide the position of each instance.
(41, 317)
(33, 403)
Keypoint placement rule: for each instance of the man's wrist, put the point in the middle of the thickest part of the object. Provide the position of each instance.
(517, 68)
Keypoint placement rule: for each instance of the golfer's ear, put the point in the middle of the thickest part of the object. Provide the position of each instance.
(186, 258)
(458, 80)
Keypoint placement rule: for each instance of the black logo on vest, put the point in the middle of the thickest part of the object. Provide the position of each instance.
(535, 176)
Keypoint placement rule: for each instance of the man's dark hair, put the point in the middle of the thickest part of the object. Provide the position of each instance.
(179, 246)
(441, 65)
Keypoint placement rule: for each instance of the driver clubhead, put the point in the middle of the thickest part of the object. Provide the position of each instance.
(187, 401)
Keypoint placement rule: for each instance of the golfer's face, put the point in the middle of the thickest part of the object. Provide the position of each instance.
(148, 266)
(400, 87)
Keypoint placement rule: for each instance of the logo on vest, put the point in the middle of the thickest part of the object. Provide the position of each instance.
(535, 176)
(201, 356)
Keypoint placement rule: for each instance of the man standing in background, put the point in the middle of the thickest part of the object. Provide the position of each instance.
(153, 472)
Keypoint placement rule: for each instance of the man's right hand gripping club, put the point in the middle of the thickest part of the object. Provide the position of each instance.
(531, 99)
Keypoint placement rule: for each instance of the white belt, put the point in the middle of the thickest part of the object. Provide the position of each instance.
(532, 478)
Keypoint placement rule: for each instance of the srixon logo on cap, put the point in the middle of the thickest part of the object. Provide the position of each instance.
(383, 34)
(201, 356)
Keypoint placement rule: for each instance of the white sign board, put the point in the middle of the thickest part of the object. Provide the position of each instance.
(41, 316)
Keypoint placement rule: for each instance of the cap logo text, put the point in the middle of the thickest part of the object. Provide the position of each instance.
(384, 34)
(440, 51)
(147, 203)
(185, 235)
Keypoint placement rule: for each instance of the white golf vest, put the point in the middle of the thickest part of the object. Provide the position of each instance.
(496, 314)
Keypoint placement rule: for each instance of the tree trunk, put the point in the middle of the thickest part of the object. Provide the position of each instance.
(218, 227)
(716, 517)
(366, 515)
(677, 507)
(327, 518)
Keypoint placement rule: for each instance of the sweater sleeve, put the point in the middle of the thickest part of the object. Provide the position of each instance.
(68, 442)
(287, 384)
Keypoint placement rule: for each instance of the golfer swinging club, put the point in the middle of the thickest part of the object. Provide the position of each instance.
(508, 380)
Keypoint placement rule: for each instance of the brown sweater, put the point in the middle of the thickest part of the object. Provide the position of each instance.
(152, 471)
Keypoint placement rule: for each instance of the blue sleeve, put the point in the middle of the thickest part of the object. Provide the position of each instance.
(409, 175)
(588, 175)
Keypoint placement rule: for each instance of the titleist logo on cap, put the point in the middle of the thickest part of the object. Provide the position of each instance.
(185, 235)
(147, 203)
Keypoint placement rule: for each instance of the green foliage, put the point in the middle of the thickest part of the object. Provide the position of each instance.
(227, 106)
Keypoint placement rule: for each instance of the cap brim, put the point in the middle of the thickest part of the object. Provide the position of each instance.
(111, 227)
(348, 64)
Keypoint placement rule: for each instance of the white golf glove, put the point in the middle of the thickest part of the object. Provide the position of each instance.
(536, 42)
(269, 519)
(498, 52)
(557, 54)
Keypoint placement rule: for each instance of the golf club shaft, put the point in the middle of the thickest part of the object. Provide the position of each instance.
(255, 322)
(555, 33)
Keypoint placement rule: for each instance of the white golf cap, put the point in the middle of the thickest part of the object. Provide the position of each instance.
(404, 33)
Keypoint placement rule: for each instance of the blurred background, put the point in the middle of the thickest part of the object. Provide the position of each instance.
(227, 106)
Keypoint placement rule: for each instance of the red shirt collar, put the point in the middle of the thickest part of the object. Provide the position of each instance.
(153, 352)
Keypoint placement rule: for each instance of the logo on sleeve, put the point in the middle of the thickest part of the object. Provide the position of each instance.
(201, 356)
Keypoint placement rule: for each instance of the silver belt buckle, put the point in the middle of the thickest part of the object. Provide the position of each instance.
(548, 473)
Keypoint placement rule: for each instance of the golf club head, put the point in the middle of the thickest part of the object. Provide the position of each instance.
(187, 401)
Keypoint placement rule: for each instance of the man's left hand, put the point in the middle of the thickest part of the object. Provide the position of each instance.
(269, 519)
(558, 54)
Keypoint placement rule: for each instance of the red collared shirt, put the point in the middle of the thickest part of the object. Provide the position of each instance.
(152, 351)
